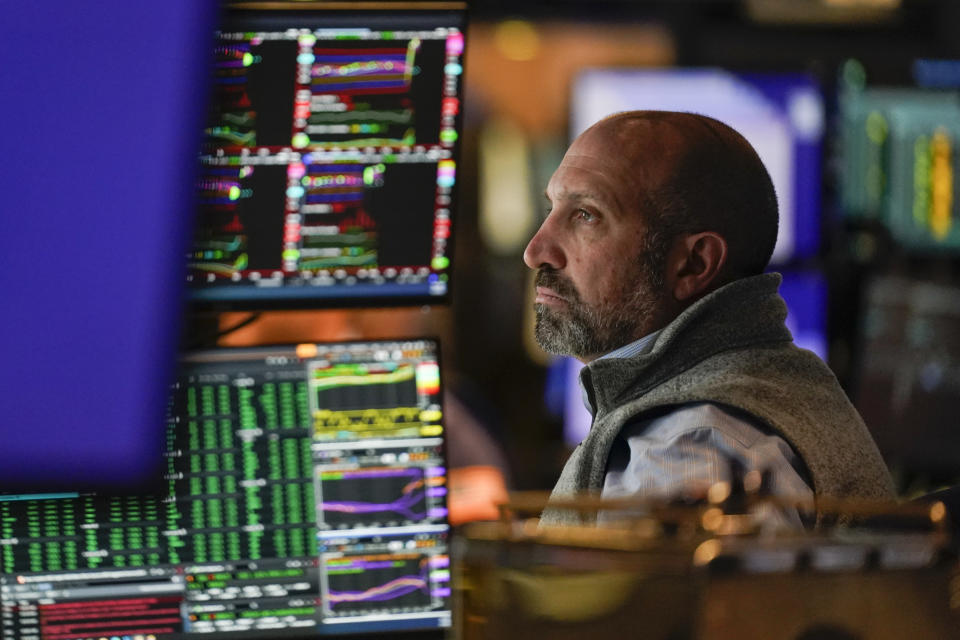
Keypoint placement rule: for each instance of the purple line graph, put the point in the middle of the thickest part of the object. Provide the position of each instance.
(372, 496)
(401, 505)
(391, 590)
(357, 582)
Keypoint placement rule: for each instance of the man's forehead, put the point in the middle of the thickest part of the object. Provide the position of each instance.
(582, 177)
(601, 176)
(590, 162)
(631, 140)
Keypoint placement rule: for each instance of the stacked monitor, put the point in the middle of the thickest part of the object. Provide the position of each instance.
(329, 166)
(899, 157)
(305, 492)
(909, 374)
(899, 162)
(305, 485)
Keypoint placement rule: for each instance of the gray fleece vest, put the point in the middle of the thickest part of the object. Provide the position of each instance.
(731, 348)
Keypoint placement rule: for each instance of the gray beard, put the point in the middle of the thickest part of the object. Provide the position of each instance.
(583, 331)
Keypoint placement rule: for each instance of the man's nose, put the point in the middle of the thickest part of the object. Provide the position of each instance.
(543, 249)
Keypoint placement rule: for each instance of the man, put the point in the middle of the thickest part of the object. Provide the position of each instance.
(650, 270)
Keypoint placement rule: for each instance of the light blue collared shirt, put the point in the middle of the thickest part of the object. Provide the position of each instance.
(635, 348)
(692, 447)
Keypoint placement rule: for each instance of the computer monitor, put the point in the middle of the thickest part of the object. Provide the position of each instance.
(782, 116)
(898, 157)
(305, 495)
(906, 374)
(330, 163)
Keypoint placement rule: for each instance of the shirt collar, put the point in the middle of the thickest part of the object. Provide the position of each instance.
(635, 348)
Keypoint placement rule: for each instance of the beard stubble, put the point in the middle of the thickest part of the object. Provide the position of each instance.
(586, 331)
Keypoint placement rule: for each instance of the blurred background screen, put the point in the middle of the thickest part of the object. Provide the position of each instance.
(102, 107)
(781, 115)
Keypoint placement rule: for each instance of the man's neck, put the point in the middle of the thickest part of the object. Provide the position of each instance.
(628, 350)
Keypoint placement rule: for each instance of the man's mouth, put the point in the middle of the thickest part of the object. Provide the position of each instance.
(548, 296)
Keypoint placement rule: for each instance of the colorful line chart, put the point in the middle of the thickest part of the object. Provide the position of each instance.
(389, 591)
(397, 495)
(361, 96)
(405, 581)
(347, 386)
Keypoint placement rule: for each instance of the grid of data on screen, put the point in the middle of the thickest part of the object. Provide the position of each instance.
(306, 492)
(329, 165)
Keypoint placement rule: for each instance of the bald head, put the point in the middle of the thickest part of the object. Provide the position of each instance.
(698, 174)
(649, 212)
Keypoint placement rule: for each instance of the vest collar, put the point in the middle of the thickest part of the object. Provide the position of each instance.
(743, 313)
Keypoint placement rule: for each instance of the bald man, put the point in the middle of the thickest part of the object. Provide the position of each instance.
(650, 270)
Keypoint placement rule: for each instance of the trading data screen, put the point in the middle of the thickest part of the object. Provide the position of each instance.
(898, 152)
(306, 495)
(329, 165)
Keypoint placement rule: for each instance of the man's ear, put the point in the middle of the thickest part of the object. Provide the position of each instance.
(694, 265)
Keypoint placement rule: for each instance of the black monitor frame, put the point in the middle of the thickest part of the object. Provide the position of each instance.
(264, 16)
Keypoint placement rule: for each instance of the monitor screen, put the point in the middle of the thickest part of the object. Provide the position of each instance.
(908, 374)
(898, 157)
(329, 168)
(781, 115)
(305, 495)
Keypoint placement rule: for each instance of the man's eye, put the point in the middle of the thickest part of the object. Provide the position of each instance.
(585, 215)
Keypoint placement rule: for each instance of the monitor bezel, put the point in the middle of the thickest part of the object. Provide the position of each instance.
(240, 14)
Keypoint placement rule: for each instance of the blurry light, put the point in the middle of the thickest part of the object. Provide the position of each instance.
(938, 512)
(300, 140)
(942, 184)
(941, 74)
(506, 203)
(712, 519)
(706, 552)
(877, 128)
(305, 351)
(854, 75)
(863, 4)
(806, 114)
(823, 11)
(517, 40)
(718, 492)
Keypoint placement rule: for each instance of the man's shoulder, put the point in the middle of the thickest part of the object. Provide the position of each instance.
(700, 419)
